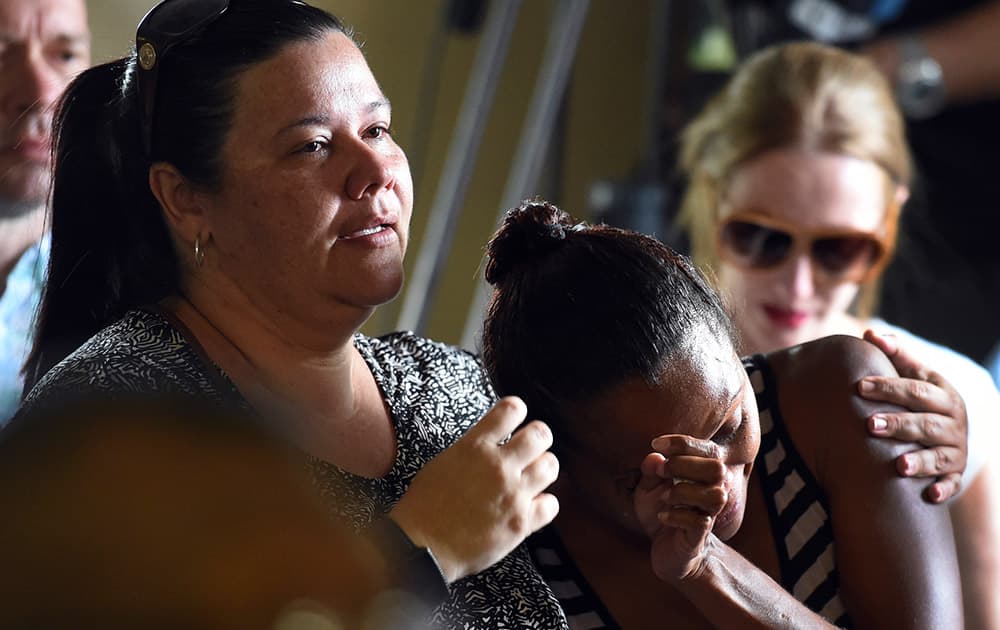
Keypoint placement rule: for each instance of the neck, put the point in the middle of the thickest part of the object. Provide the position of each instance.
(319, 391)
(275, 370)
(17, 234)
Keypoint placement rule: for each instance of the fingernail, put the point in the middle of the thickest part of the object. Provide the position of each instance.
(867, 386)
(660, 442)
(907, 464)
(879, 424)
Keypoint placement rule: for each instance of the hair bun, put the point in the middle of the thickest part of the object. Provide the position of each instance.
(529, 233)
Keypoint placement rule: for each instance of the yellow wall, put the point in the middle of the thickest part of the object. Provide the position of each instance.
(603, 121)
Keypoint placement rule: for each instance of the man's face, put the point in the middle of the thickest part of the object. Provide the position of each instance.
(43, 45)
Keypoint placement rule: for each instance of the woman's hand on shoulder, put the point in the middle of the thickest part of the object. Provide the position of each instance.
(934, 417)
(477, 500)
(680, 493)
(890, 545)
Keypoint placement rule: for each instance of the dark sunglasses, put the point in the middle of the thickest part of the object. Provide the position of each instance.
(755, 241)
(166, 24)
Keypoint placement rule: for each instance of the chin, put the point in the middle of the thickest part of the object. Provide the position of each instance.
(24, 186)
(380, 292)
(729, 522)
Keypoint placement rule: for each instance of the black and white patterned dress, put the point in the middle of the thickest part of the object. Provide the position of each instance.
(434, 393)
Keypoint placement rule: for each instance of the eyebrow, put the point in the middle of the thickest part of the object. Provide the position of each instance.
(79, 39)
(320, 120)
(733, 403)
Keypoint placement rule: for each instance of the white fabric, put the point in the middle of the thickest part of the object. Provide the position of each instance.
(973, 382)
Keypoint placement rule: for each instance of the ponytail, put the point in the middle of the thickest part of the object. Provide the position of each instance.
(111, 250)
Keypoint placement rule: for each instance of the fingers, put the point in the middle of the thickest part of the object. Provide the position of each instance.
(905, 363)
(677, 444)
(528, 443)
(650, 469)
(694, 469)
(924, 428)
(705, 499)
(943, 489)
(915, 395)
(540, 474)
(932, 462)
(544, 509)
(685, 519)
(500, 421)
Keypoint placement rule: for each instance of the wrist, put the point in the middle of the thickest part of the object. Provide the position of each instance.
(918, 79)
(410, 566)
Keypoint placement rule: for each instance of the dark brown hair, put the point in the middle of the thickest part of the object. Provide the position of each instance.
(578, 309)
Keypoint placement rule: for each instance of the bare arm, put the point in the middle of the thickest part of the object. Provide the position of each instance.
(964, 46)
(895, 553)
(976, 514)
(728, 590)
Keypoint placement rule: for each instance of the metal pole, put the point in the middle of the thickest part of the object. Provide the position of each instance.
(440, 229)
(550, 86)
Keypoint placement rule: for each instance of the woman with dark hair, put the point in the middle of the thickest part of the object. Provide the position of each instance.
(767, 503)
(229, 207)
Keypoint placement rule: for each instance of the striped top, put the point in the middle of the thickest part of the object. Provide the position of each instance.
(584, 610)
(797, 507)
(799, 517)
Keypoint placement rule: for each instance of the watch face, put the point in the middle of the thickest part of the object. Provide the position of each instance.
(920, 87)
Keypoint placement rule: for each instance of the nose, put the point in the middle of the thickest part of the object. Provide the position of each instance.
(34, 83)
(373, 170)
(799, 279)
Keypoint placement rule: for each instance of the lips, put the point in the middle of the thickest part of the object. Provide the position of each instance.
(785, 317)
(371, 230)
(35, 149)
(365, 232)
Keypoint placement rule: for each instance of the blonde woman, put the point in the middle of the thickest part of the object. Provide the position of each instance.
(797, 173)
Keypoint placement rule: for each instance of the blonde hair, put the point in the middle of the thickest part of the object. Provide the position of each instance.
(804, 95)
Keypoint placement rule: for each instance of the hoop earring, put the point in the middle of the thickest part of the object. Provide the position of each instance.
(199, 253)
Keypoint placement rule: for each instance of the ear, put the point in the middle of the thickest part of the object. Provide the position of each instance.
(182, 206)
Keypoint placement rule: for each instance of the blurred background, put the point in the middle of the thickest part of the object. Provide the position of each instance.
(601, 134)
(635, 72)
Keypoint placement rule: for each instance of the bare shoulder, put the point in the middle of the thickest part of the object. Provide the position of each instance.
(837, 360)
(817, 386)
(888, 542)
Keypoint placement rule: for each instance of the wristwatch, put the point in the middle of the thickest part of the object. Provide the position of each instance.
(919, 86)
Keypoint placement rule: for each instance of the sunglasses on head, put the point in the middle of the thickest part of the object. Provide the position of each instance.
(166, 24)
(756, 241)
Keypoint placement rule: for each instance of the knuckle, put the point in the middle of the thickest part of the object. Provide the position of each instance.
(893, 423)
(539, 432)
(550, 463)
(882, 385)
(942, 460)
(933, 429)
(509, 404)
(498, 475)
(517, 523)
(920, 389)
(717, 497)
